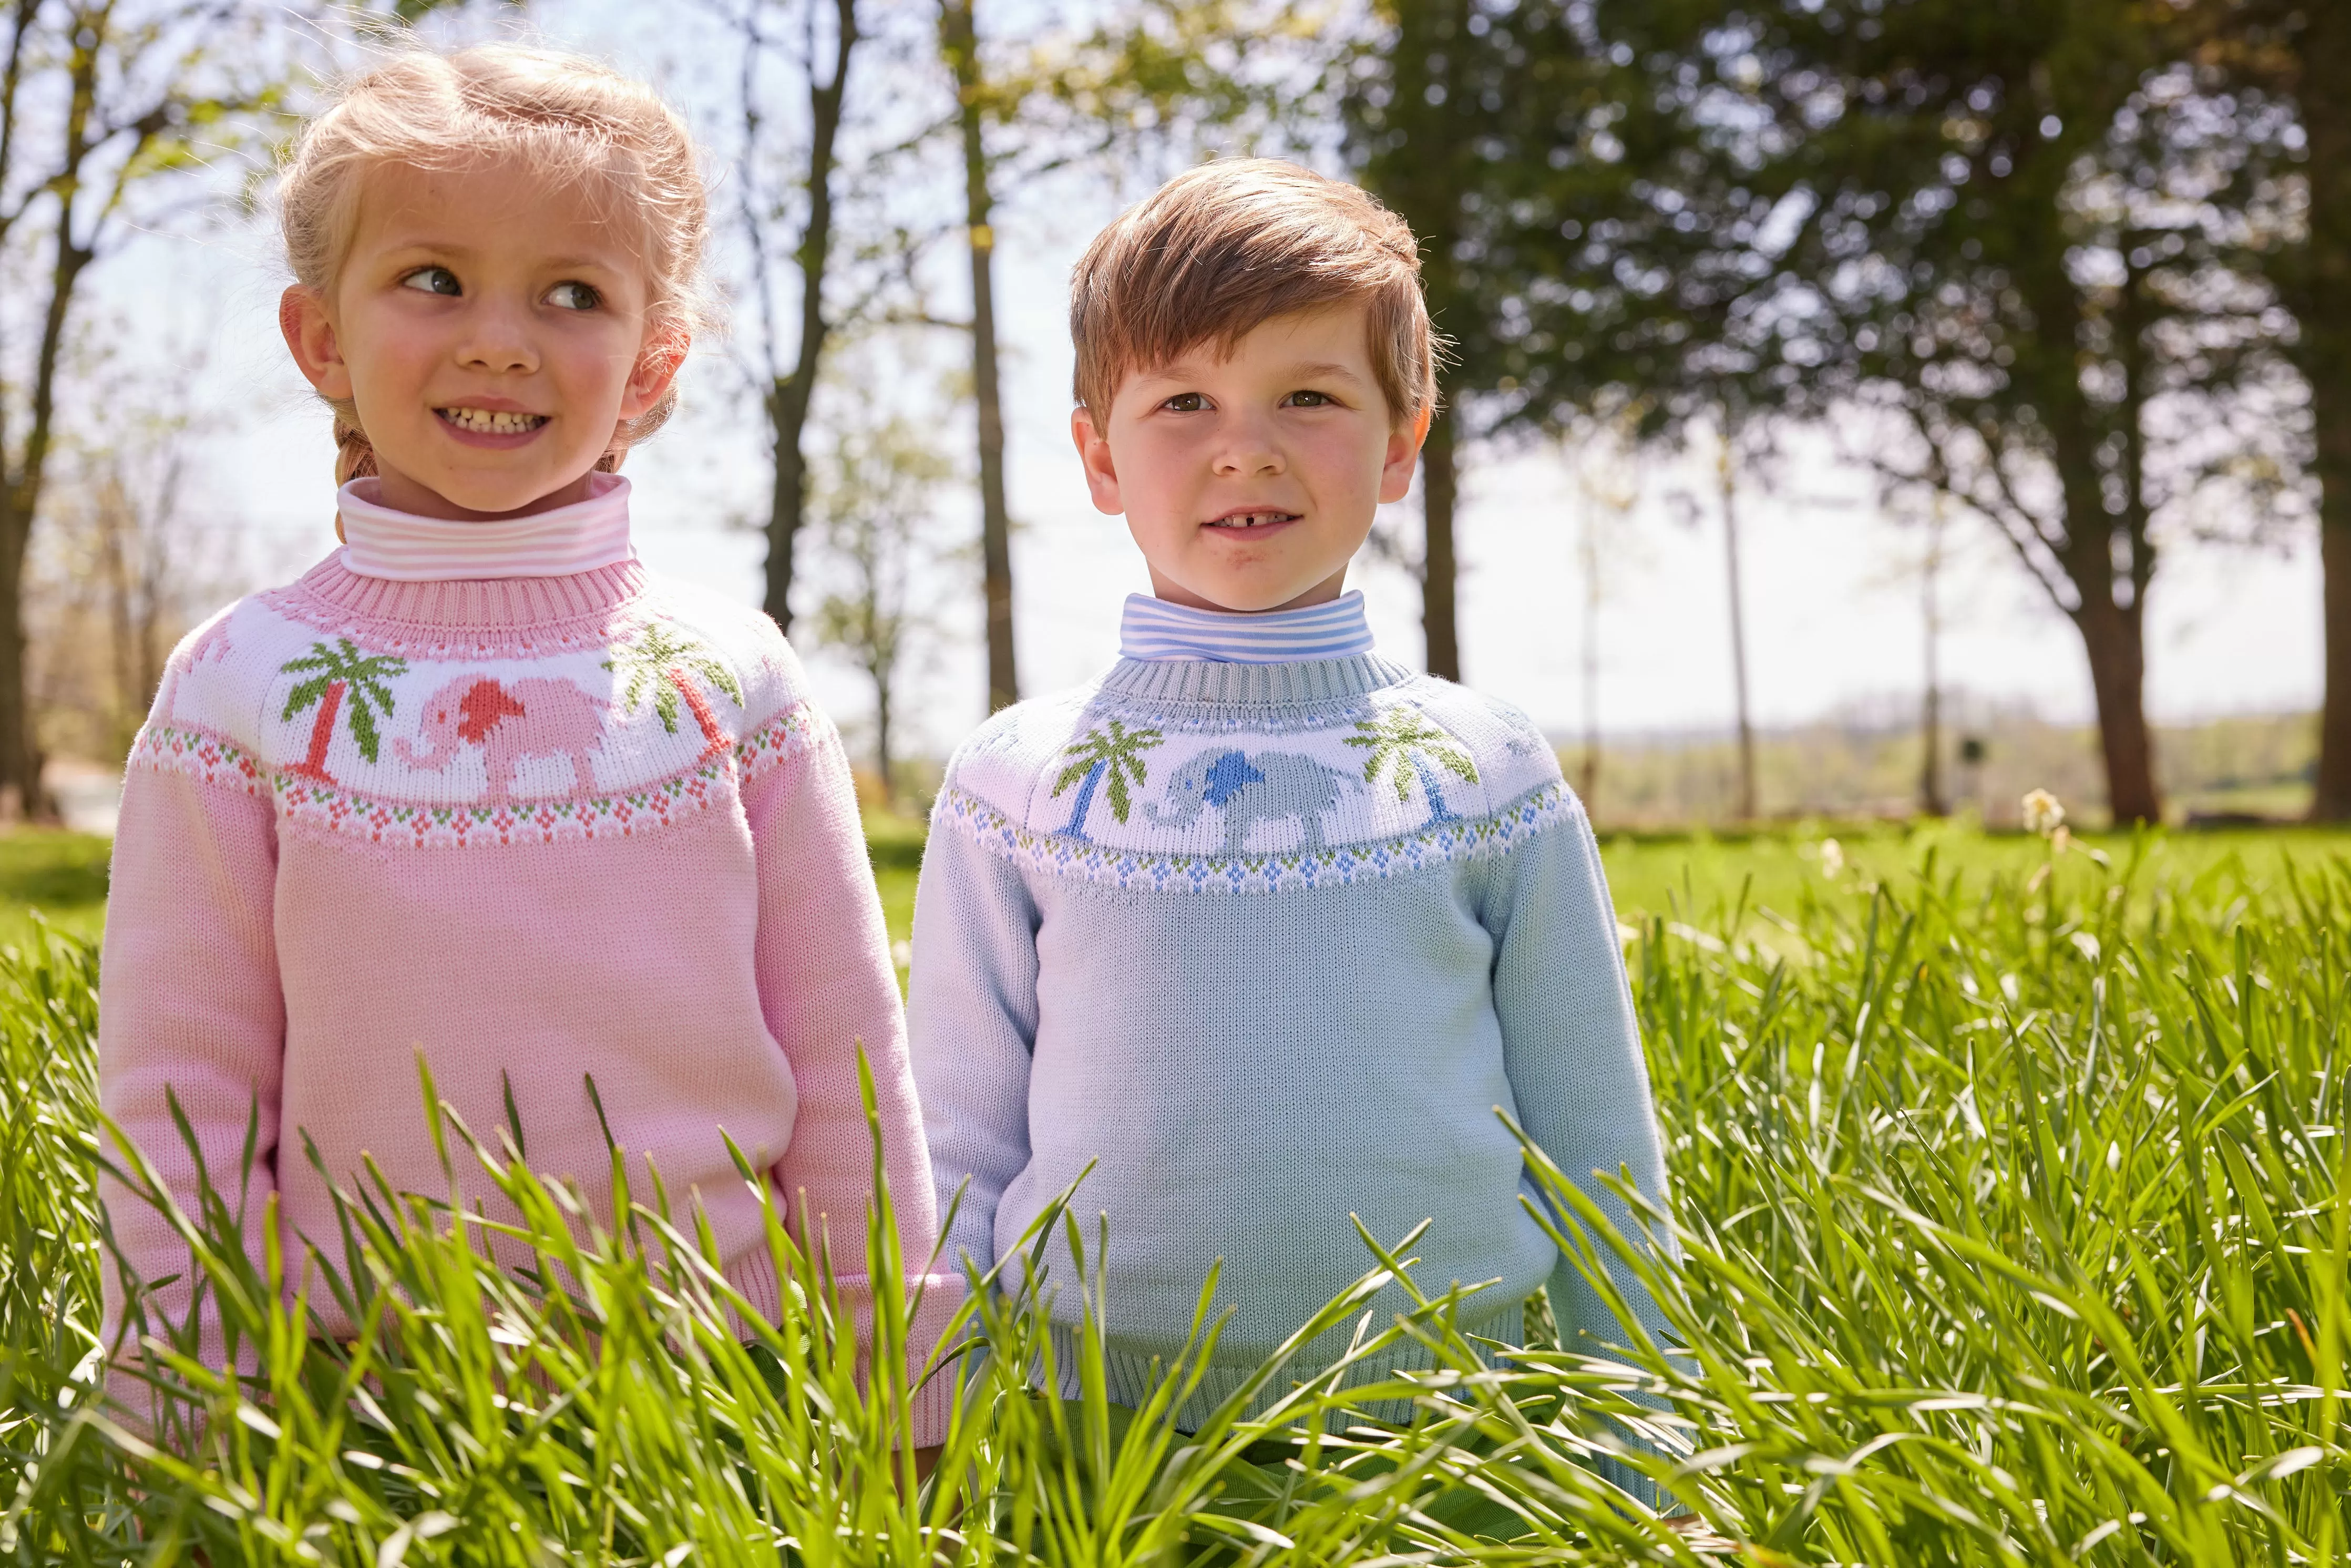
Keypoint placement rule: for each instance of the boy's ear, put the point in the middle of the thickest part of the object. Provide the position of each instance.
(1094, 451)
(310, 338)
(1403, 454)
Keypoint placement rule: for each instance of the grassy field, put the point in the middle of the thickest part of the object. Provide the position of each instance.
(2013, 1206)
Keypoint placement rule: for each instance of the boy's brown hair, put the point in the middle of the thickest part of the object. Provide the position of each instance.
(1221, 249)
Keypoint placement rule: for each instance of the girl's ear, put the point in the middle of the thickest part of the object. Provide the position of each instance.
(310, 338)
(657, 365)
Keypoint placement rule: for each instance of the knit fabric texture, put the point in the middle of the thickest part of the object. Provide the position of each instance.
(543, 832)
(1266, 946)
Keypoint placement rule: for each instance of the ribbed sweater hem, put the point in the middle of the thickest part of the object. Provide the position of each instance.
(1133, 1376)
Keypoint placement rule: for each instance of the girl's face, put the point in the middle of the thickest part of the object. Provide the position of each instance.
(490, 328)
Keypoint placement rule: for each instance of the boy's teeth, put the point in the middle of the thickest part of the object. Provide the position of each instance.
(493, 422)
(1251, 520)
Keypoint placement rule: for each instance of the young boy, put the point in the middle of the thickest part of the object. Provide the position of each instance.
(1261, 924)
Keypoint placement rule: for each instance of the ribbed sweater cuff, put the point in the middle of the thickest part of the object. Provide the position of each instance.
(930, 1407)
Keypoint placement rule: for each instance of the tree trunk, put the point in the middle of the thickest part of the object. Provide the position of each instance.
(789, 396)
(21, 795)
(1588, 786)
(787, 500)
(2112, 635)
(322, 734)
(1931, 801)
(1437, 494)
(2324, 309)
(959, 37)
(1729, 476)
(881, 761)
(2331, 800)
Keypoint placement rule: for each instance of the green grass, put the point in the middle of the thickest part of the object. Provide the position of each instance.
(61, 876)
(2013, 1199)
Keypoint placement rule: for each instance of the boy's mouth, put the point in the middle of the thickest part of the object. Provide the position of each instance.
(1263, 518)
(490, 420)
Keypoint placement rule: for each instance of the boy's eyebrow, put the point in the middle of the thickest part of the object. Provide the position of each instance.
(1320, 368)
(1312, 370)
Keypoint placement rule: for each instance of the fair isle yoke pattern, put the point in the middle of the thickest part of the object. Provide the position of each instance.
(616, 725)
(1124, 785)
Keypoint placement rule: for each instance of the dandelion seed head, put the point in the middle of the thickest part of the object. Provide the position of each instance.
(2043, 812)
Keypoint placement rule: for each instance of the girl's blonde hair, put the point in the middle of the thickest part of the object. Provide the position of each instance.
(573, 120)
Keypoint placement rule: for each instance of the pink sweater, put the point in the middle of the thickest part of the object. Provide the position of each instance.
(540, 829)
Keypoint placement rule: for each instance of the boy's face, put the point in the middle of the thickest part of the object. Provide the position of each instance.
(1250, 480)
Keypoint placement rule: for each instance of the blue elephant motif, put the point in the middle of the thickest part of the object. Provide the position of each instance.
(1269, 787)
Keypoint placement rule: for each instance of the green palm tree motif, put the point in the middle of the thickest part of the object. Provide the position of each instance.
(658, 659)
(1401, 739)
(1117, 756)
(336, 674)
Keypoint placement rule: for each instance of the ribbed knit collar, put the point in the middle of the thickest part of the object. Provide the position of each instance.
(401, 546)
(1284, 685)
(1156, 628)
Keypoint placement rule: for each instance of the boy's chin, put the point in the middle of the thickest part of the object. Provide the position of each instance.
(1245, 597)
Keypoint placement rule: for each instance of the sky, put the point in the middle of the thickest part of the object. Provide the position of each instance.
(1831, 590)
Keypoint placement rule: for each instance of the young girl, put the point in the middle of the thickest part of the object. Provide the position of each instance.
(480, 785)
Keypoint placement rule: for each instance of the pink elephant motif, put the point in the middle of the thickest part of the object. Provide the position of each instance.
(530, 717)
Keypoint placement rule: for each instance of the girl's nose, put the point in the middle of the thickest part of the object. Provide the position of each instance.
(497, 338)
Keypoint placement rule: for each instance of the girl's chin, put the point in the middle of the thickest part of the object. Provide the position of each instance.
(463, 495)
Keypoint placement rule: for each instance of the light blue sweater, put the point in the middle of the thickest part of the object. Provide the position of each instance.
(1268, 944)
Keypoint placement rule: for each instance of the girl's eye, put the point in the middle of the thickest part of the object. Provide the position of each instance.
(1308, 399)
(1186, 403)
(432, 280)
(574, 296)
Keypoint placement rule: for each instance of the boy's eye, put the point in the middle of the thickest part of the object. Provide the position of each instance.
(1308, 399)
(1186, 403)
(574, 296)
(432, 280)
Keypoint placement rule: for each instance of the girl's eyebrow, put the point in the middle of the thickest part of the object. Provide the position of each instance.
(459, 251)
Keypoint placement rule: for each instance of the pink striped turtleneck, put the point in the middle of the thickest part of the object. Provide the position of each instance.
(402, 547)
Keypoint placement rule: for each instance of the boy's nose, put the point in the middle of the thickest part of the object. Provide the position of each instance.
(1247, 447)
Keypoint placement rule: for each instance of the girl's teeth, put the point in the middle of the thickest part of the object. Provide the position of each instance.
(493, 422)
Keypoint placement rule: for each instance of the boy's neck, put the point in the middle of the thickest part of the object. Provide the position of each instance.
(1174, 592)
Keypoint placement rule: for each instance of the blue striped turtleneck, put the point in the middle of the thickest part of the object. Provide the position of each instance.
(1154, 629)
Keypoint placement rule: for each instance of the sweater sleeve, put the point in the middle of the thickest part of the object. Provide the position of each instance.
(973, 1010)
(1572, 1050)
(189, 1008)
(826, 987)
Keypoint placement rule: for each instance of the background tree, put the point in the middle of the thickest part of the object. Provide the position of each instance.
(787, 215)
(126, 564)
(1421, 100)
(959, 42)
(100, 106)
(1158, 76)
(2301, 52)
(877, 498)
(2018, 233)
